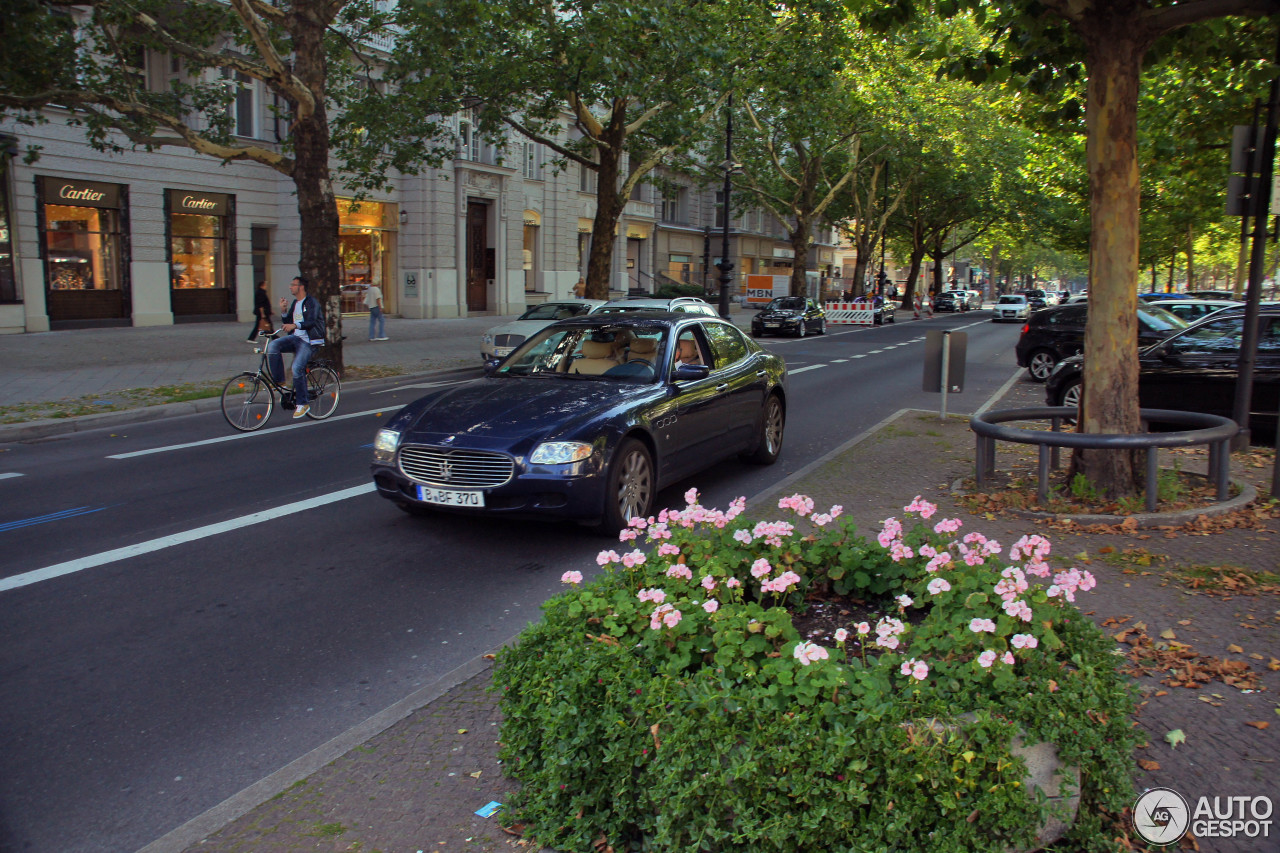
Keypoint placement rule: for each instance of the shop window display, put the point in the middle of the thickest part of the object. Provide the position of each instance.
(198, 250)
(79, 242)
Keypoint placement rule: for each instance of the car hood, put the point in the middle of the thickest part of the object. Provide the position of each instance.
(510, 407)
(520, 327)
(780, 314)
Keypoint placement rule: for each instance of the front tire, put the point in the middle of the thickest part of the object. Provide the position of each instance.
(247, 402)
(772, 426)
(1069, 395)
(1041, 365)
(800, 329)
(323, 391)
(629, 487)
(822, 326)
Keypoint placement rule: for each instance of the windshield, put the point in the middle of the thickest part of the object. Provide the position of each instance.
(553, 311)
(786, 303)
(615, 353)
(1012, 300)
(1159, 319)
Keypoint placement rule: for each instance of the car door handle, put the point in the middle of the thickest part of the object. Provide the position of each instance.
(724, 387)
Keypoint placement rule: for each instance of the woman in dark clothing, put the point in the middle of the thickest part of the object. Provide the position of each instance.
(261, 310)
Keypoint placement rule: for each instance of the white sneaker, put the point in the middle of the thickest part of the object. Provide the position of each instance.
(382, 339)
(301, 412)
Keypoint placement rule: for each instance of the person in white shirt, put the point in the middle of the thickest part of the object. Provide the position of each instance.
(377, 320)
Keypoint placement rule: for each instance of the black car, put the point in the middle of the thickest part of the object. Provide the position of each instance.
(951, 300)
(796, 315)
(1196, 369)
(1036, 298)
(1052, 334)
(587, 420)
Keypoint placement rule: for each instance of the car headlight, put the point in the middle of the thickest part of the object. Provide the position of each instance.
(385, 444)
(560, 452)
(486, 340)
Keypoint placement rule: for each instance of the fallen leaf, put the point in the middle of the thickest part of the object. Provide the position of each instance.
(475, 775)
(1106, 549)
(1175, 737)
(1148, 765)
(1184, 621)
(1168, 634)
(1162, 692)
(1257, 725)
(1257, 656)
(462, 731)
(1236, 649)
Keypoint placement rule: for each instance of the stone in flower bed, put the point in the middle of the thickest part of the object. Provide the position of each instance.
(670, 704)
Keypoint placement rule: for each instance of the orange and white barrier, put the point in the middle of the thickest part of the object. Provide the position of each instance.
(856, 313)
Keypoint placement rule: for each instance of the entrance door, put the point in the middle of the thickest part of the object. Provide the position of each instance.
(633, 264)
(477, 250)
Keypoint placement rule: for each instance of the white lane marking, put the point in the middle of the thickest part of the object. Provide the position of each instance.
(839, 361)
(7, 476)
(803, 369)
(859, 355)
(241, 435)
(875, 352)
(424, 385)
(72, 566)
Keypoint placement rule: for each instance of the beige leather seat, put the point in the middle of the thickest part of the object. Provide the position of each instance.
(597, 357)
(643, 348)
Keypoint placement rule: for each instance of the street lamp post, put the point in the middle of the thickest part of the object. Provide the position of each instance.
(726, 265)
(883, 233)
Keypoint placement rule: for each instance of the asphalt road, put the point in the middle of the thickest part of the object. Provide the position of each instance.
(162, 646)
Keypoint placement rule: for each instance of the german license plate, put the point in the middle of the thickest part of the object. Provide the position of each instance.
(500, 352)
(450, 497)
(772, 325)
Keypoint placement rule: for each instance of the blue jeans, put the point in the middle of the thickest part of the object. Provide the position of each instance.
(377, 319)
(301, 350)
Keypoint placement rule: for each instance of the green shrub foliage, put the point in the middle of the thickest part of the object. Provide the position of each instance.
(671, 705)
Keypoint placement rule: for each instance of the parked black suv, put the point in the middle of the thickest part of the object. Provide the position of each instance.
(1052, 334)
(1196, 370)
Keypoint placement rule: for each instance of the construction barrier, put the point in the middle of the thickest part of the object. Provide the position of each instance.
(850, 313)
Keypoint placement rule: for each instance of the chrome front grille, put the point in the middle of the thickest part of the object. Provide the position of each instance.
(508, 340)
(455, 469)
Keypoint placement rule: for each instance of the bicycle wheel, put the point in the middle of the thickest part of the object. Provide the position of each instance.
(247, 402)
(323, 391)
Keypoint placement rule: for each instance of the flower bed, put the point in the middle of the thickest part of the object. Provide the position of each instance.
(670, 704)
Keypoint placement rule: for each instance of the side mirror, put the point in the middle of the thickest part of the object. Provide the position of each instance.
(686, 372)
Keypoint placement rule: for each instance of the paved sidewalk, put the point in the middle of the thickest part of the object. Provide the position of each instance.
(416, 786)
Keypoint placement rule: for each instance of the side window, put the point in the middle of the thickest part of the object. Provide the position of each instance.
(727, 344)
(1269, 339)
(1069, 317)
(1213, 338)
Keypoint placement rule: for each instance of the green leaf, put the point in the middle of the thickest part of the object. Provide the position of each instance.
(1175, 737)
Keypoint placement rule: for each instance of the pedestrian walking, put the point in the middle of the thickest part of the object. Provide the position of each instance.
(377, 320)
(261, 312)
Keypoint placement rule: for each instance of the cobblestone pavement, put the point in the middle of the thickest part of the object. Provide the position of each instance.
(417, 785)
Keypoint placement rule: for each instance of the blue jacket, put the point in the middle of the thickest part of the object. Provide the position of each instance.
(312, 318)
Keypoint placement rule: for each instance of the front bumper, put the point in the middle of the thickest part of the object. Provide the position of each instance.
(570, 491)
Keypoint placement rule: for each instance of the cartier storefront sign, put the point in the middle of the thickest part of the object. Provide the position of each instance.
(80, 193)
(199, 203)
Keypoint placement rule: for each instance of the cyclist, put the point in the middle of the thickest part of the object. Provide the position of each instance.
(303, 328)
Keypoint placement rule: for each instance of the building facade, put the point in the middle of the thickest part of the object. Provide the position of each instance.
(91, 238)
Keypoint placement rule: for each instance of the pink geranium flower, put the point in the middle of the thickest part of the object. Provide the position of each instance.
(986, 659)
(574, 578)
(807, 653)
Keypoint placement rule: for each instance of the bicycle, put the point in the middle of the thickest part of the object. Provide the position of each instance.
(249, 398)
